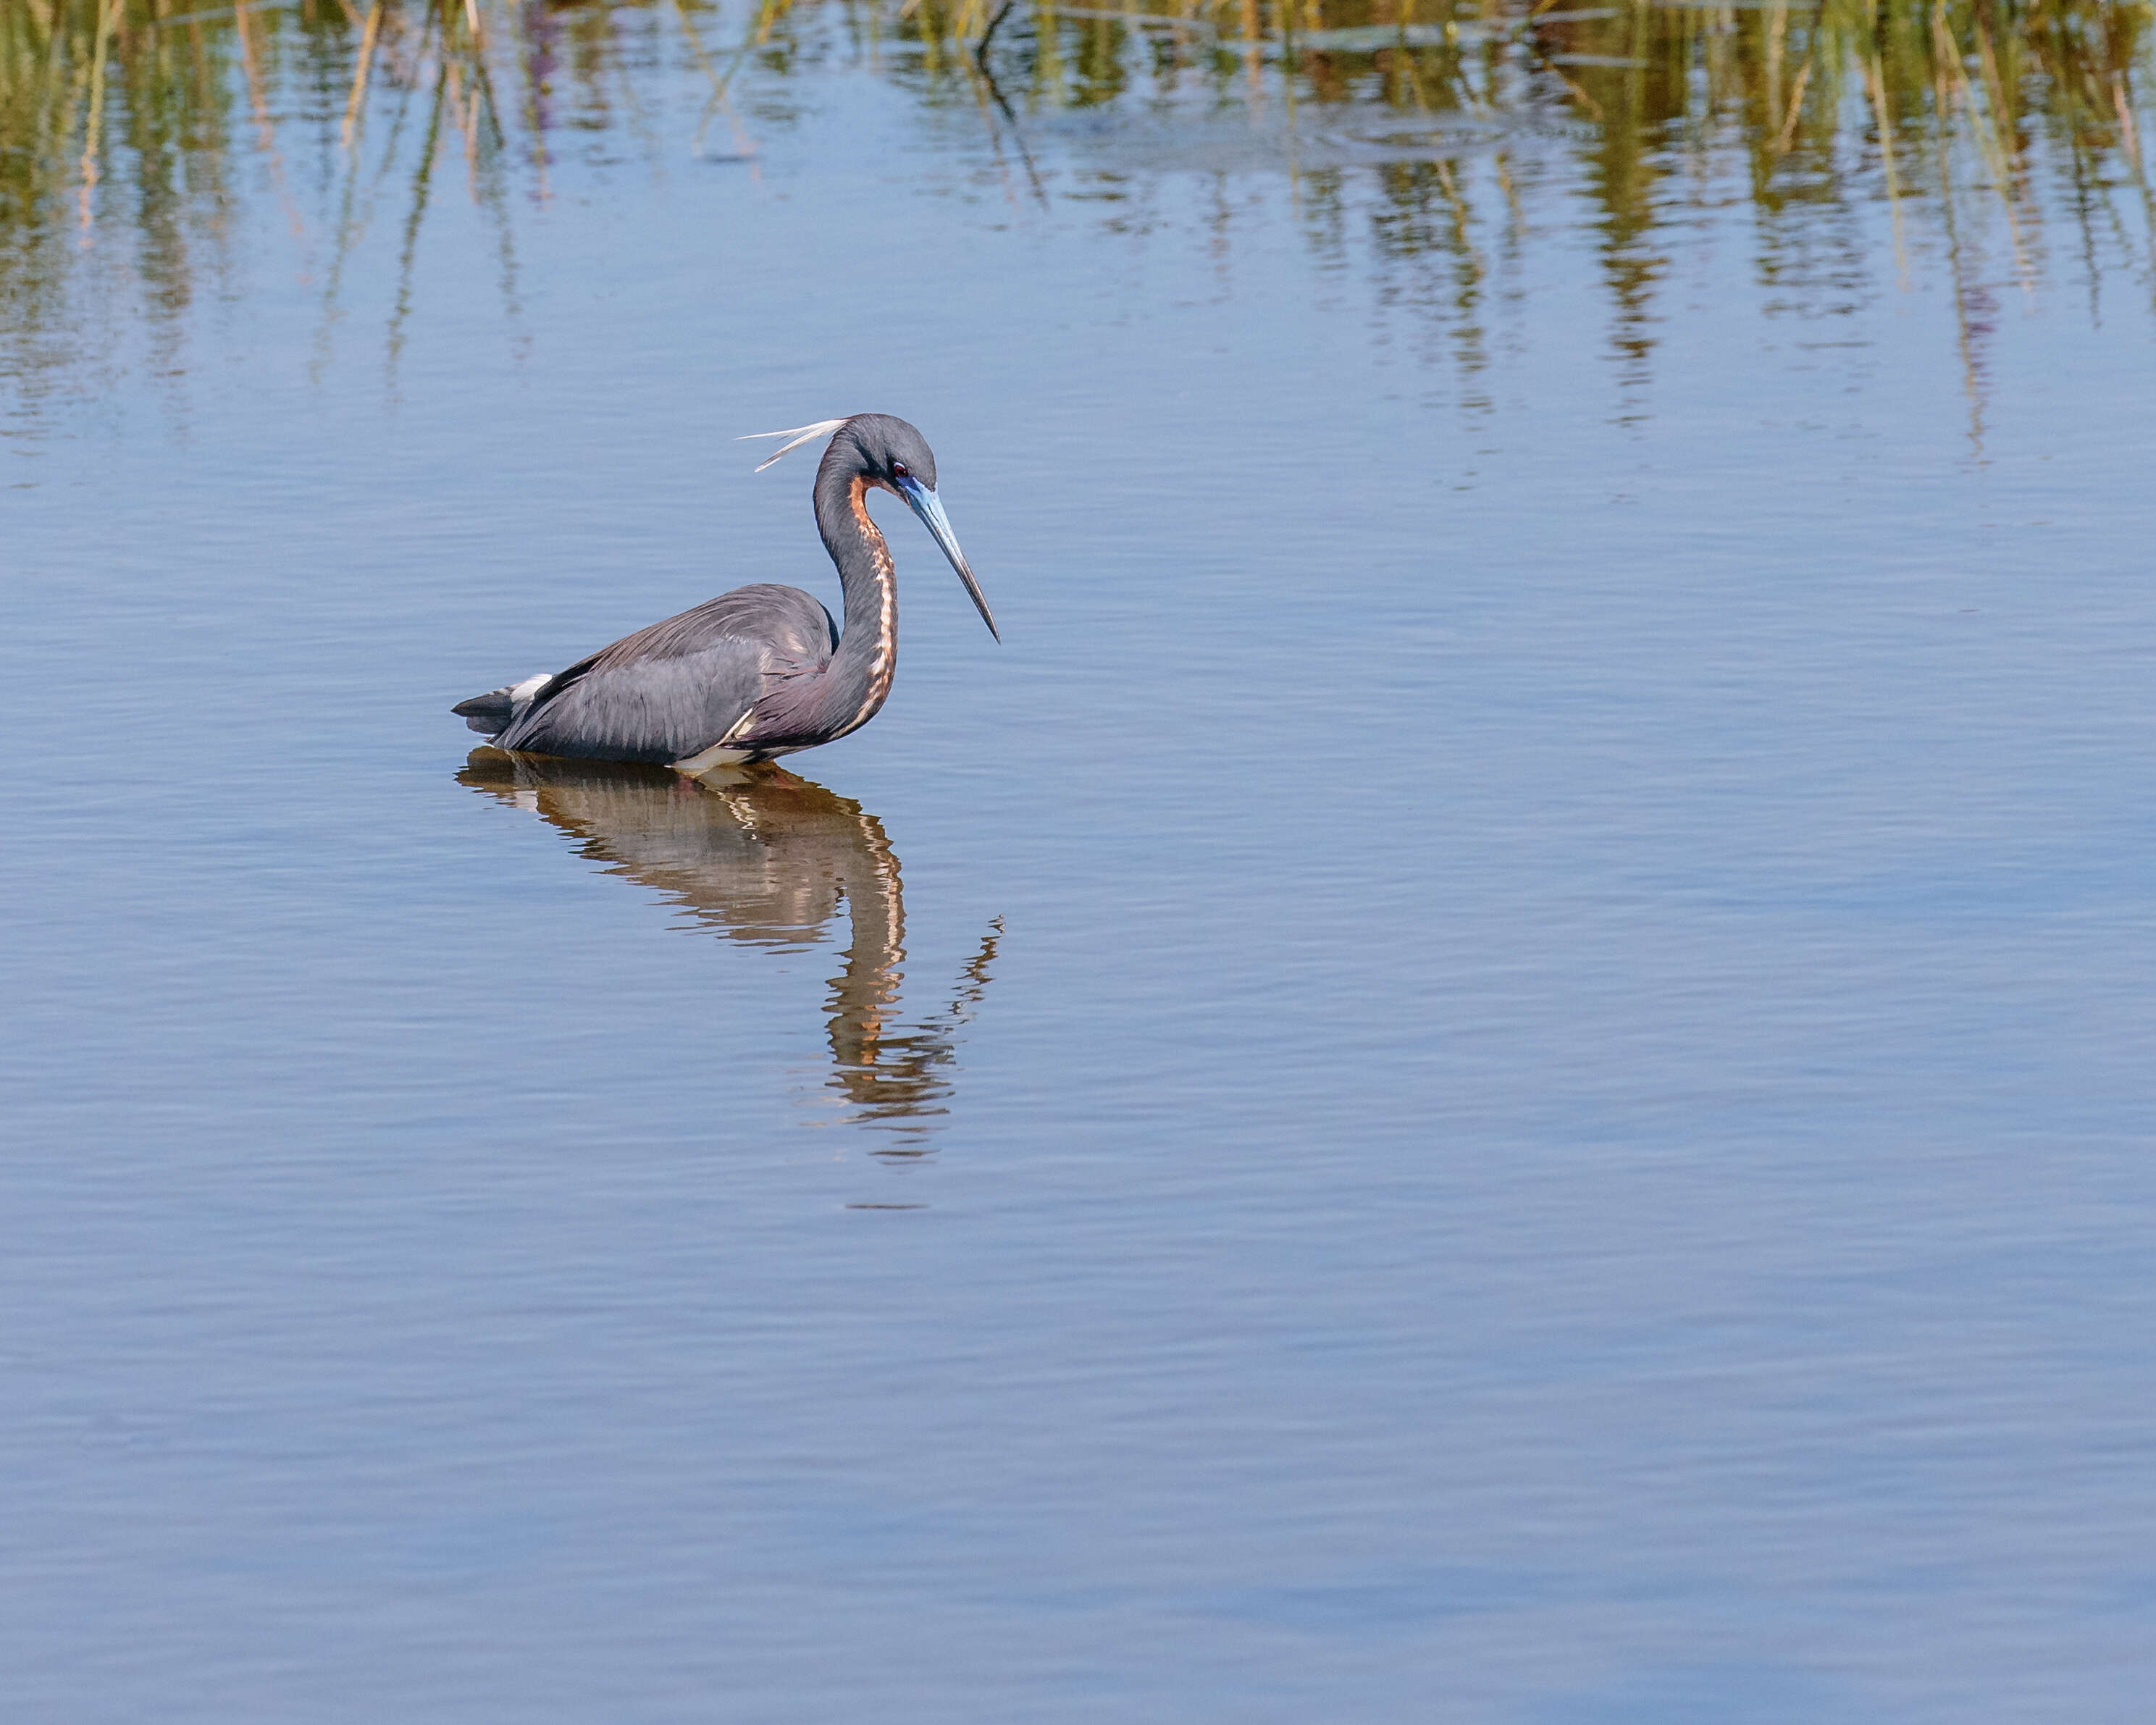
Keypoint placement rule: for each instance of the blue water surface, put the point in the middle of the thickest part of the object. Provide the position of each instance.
(1497, 1069)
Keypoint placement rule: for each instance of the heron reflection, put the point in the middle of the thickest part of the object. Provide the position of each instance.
(758, 855)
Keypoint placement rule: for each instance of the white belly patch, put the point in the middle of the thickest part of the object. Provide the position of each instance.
(719, 754)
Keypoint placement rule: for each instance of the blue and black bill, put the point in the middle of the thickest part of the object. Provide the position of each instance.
(924, 503)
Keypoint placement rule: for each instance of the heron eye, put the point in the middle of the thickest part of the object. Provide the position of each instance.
(898, 470)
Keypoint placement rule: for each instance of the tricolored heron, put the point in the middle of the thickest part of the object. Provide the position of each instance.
(760, 671)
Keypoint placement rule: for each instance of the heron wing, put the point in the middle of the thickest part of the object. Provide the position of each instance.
(673, 690)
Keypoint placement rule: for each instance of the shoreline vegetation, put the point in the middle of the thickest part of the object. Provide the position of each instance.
(2009, 144)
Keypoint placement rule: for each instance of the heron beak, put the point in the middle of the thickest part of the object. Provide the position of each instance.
(924, 503)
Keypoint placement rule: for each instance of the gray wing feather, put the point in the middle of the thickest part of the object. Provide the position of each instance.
(675, 689)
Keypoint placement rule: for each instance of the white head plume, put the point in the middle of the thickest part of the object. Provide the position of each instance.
(799, 435)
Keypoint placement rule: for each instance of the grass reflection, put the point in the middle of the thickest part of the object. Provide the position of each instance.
(1428, 141)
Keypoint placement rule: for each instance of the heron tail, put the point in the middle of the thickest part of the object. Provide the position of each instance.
(492, 713)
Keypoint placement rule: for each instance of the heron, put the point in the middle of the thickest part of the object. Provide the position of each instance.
(763, 670)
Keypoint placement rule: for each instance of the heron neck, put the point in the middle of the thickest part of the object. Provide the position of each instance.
(866, 576)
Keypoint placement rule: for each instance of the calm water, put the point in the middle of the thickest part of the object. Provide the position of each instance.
(1499, 1070)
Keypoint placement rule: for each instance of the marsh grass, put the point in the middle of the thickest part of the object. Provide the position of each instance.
(1415, 131)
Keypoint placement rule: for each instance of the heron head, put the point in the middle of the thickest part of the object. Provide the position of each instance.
(888, 453)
